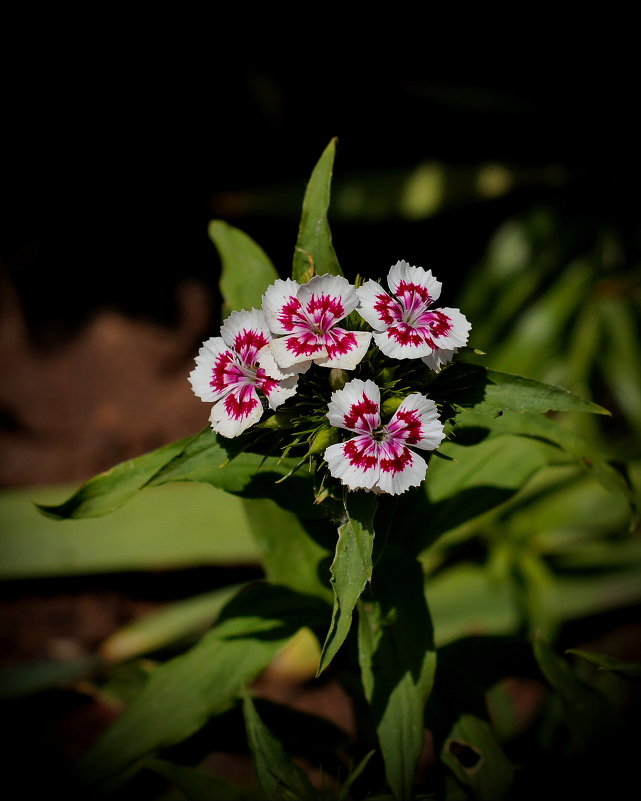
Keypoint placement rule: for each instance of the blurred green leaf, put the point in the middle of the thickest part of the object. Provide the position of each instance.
(246, 268)
(183, 693)
(476, 758)
(172, 623)
(314, 253)
(196, 784)
(346, 787)
(142, 535)
(398, 662)
(587, 714)
(17, 681)
(279, 777)
(631, 670)
(351, 568)
(529, 424)
(465, 599)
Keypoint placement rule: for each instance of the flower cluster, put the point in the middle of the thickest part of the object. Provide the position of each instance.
(260, 355)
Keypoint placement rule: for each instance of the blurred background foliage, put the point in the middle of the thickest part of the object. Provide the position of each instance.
(519, 189)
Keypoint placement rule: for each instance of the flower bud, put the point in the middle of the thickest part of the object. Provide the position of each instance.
(322, 439)
(338, 378)
(276, 420)
(389, 406)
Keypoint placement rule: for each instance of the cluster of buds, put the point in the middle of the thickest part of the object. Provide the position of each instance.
(263, 358)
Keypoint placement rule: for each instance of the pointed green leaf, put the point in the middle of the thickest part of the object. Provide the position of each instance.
(183, 693)
(631, 670)
(343, 795)
(110, 490)
(476, 758)
(279, 777)
(314, 253)
(351, 568)
(478, 388)
(246, 269)
(196, 784)
(398, 661)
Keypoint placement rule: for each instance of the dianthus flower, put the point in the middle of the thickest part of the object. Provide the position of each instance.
(228, 373)
(307, 315)
(379, 458)
(404, 325)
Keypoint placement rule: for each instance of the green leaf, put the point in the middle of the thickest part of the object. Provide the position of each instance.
(213, 529)
(465, 599)
(587, 714)
(17, 681)
(351, 568)
(186, 691)
(246, 268)
(529, 424)
(476, 758)
(490, 391)
(110, 490)
(398, 661)
(172, 623)
(631, 670)
(196, 784)
(279, 777)
(292, 548)
(205, 457)
(343, 795)
(314, 253)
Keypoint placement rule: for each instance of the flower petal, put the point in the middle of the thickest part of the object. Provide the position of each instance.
(281, 307)
(326, 299)
(238, 410)
(345, 349)
(438, 357)
(246, 332)
(270, 366)
(416, 423)
(447, 328)
(356, 407)
(399, 468)
(377, 307)
(216, 371)
(354, 462)
(411, 283)
(276, 392)
(403, 341)
(297, 348)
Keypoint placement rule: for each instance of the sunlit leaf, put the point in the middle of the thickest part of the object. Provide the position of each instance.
(110, 490)
(246, 268)
(491, 392)
(398, 661)
(293, 551)
(314, 253)
(279, 777)
(351, 568)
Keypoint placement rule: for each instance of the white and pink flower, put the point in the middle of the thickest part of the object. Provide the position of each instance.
(305, 317)
(379, 458)
(229, 374)
(404, 325)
